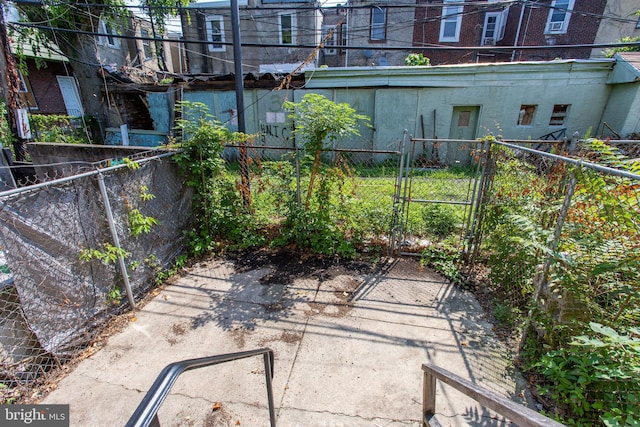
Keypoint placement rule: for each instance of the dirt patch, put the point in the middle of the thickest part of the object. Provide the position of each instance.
(176, 333)
(240, 337)
(288, 266)
(218, 417)
(286, 336)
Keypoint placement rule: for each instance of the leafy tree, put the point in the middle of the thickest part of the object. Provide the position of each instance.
(320, 121)
(609, 53)
(417, 59)
(72, 26)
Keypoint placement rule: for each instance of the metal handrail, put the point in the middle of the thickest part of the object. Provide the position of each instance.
(519, 414)
(147, 410)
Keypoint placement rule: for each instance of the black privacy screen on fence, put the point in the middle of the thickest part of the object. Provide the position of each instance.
(59, 247)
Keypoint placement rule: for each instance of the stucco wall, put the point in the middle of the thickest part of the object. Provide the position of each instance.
(407, 97)
(623, 109)
(612, 30)
(256, 26)
(399, 33)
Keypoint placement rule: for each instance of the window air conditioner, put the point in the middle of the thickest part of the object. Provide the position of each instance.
(556, 26)
(489, 41)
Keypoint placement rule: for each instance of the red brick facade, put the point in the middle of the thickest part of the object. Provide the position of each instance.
(582, 29)
(43, 85)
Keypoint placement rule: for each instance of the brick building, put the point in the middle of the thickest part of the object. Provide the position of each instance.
(503, 24)
(275, 33)
(552, 23)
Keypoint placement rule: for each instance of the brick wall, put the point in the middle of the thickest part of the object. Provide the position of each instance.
(45, 87)
(427, 32)
(582, 30)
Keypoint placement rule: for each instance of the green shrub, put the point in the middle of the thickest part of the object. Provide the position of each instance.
(595, 379)
(58, 128)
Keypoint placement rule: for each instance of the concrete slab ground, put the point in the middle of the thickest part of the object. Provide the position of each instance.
(349, 344)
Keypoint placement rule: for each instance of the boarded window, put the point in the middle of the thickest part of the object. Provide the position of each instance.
(559, 114)
(525, 116)
(463, 118)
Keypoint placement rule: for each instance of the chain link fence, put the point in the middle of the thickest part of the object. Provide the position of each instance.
(562, 232)
(558, 241)
(66, 245)
(354, 188)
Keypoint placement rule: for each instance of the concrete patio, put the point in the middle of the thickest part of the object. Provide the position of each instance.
(348, 343)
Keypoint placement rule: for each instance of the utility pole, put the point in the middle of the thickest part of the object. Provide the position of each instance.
(239, 84)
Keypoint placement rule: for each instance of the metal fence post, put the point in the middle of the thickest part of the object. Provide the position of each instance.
(396, 198)
(116, 240)
(475, 233)
(553, 246)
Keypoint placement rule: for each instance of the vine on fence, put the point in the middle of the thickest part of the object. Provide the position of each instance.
(218, 209)
(583, 336)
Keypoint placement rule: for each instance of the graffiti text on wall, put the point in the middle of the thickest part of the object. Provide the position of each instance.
(274, 130)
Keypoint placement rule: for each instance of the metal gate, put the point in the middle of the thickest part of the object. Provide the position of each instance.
(436, 193)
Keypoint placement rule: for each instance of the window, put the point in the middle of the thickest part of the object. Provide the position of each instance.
(146, 44)
(378, 26)
(22, 85)
(450, 24)
(287, 28)
(559, 114)
(26, 94)
(329, 37)
(108, 39)
(463, 119)
(215, 33)
(559, 15)
(494, 27)
(342, 37)
(490, 23)
(525, 116)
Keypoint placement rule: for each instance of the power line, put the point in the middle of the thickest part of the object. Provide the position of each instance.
(432, 4)
(313, 46)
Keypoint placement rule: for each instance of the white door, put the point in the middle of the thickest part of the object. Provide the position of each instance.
(71, 96)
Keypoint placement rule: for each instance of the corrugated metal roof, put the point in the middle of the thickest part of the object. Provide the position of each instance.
(632, 58)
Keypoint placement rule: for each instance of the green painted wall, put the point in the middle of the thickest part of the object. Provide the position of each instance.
(422, 101)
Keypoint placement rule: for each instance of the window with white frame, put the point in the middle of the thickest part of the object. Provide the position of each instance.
(450, 23)
(494, 27)
(215, 32)
(559, 15)
(146, 44)
(329, 38)
(108, 39)
(378, 24)
(287, 27)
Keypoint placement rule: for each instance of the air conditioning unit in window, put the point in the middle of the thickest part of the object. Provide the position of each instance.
(556, 26)
(489, 41)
